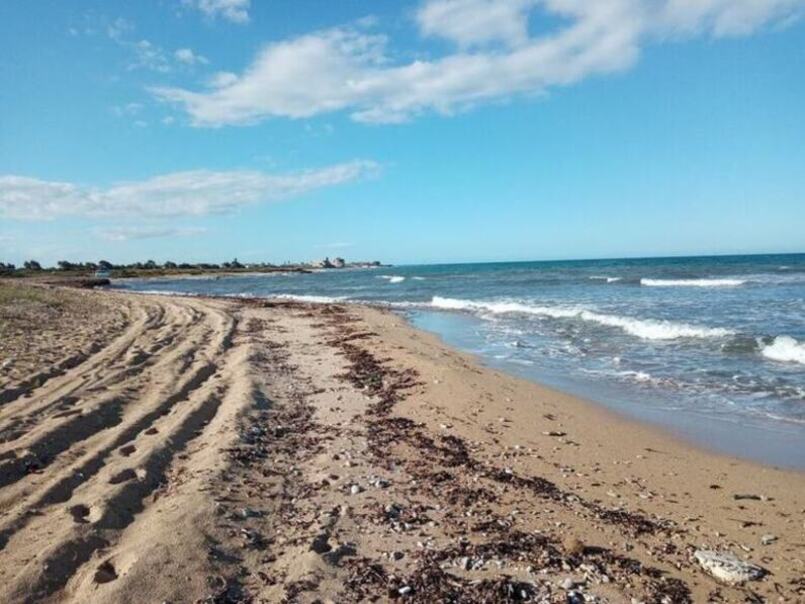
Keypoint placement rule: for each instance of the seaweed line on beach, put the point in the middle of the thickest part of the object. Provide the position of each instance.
(429, 582)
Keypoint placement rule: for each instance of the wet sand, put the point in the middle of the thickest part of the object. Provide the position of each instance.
(226, 451)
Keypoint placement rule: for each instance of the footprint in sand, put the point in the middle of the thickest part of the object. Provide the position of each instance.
(127, 450)
(105, 573)
(124, 476)
(79, 512)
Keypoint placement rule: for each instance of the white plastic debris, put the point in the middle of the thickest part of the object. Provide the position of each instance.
(728, 568)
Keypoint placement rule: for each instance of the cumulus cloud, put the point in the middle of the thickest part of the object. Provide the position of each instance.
(127, 233)
(192, 193)
(236, 11)
(495, 57)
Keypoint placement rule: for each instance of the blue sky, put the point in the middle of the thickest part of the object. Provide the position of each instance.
(430, 131)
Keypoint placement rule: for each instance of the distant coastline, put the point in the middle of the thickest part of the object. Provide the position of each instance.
(92, 274)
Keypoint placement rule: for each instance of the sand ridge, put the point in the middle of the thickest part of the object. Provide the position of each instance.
(228, 451)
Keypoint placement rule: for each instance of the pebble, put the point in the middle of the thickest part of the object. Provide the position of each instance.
(404, 590)
(355, 489)
(768, 539)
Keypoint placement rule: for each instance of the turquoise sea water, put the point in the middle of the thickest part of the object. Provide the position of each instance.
(709, 347)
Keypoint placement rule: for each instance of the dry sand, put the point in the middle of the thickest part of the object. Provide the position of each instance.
(196, 450)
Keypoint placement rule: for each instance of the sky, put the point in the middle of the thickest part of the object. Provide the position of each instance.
(405, 132)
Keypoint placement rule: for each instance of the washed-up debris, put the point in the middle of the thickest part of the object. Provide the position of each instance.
(768, 539)
(444, 468)
(728, 568)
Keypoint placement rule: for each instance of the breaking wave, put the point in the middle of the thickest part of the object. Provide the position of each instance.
(648, 329)
(392, 278)
(314, 299)
(785, 349)
(692, 282)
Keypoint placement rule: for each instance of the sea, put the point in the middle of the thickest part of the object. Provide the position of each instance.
(711, 349)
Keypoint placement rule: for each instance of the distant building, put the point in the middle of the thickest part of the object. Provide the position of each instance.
(339, 263)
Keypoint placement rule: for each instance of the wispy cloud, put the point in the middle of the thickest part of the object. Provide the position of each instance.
(188, 57)
(471, 23)
(350, 68)
(126, 233)
(146, 54)
(236, 11)
(193, 193)
(127, 110)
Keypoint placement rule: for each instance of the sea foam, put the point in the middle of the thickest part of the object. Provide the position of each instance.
(785, 349)
(314, 299)
(648, 329)
(392, 278)
(692, 282)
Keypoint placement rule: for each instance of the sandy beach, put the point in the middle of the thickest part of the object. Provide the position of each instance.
(179, 449)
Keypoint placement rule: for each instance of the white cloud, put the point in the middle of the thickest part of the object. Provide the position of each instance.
(193, 193)
(188, 57)
(473, 22)
(118, 28)
(236, 11)
(222, 79)
(725, 17)
(348, 69)
(148, 56)
(127, 233)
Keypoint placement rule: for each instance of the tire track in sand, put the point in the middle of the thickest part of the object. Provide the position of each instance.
(116, 453)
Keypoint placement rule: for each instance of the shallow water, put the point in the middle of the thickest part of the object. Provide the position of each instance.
(713, 347)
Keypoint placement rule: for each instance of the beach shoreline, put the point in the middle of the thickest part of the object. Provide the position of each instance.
(683, 431)
(386, 447)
